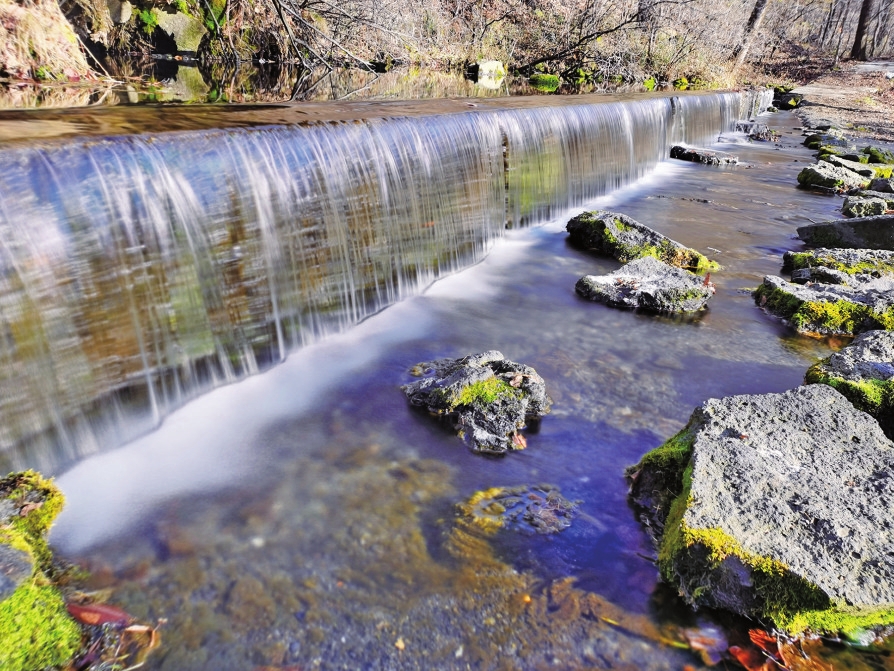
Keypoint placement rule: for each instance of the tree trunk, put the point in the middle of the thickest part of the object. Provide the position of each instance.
(866, 12)
(754, 22)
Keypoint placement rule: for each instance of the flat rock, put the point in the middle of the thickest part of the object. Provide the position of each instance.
(869, 193)
(705, 156)
(831, 137)
(862, 169)
(830, 309)
(626, 239)
(864, 372)
(800, 483)
(828, 176)
(648, 284)
(488, 398)
(847, 266)
(859, 233)
(860, 206)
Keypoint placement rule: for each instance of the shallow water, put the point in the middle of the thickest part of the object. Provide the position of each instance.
(304, 517)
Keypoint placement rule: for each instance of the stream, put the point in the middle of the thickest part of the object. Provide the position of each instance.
(304, 518)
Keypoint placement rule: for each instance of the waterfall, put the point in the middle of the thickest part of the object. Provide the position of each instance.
(141, 270)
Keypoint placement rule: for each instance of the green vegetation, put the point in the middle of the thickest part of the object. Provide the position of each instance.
(544, 82)
(813, 259)
(878, 155)
(650, 84)
(35, 629)
(873, 396)
(149, 19)
(484, 392)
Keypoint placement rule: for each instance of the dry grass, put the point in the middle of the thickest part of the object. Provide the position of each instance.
(36, 42)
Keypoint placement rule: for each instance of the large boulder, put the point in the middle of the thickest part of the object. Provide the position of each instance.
(186, 31)
(626, 239)
(864, 373)
(486, 397)
(776, 506)
(883, 185)
(858, 233)
(830, 309)
(648, 284)
(705, 156)
(827, 176)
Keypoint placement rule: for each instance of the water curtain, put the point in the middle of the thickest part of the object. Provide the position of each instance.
(142, 270)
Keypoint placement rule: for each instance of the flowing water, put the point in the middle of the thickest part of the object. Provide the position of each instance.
(304, 517)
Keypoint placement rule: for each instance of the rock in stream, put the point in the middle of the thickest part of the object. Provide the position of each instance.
(488, 398)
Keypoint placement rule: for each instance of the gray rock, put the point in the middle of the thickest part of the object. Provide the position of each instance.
(756, 130)
(706, 156)
(864, 372)
(819, 274)
(120, 10)
(828, 176)
(857, 206)
(16, 566)
(186, 31)
(832, 137)
(861, 169)
(883, 185)
(487, 398)
(866, 303)
(648, 284)
(626, 239)
(860, 233)
(801, 483)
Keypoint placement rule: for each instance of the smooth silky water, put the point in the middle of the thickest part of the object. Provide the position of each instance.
(304, 517)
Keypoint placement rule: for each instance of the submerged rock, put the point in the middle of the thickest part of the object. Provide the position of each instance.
(705, 156)
(648, 284)
(538, 509)
(828, 176)
(776, 506)
(487, 397)
(864, 373)
(859, 233)
(830, 309)
(626, 239)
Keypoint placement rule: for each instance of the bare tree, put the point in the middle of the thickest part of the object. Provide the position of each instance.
(858, 52)
(754, 22)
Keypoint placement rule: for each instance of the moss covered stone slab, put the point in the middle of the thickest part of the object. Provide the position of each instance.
(864, 373)
(858, 233)
(486, 397)
(827, 176)
(862, 169)
(829, 309)
(650, 285)
(878, 154)
(776, 506)
(626, 239)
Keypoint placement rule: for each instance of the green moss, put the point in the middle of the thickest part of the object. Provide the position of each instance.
(482, 393)
(875, 397)
(544, 82)
(35, 630)
(878, 155)
(650, 84)
(34, 525)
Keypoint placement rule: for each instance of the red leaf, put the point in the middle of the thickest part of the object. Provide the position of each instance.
(98, 613)
(751, 658)
(764, 640)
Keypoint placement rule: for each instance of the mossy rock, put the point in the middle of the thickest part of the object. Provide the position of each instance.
(876, 262)
(825, 175)
(878, 155)
(730, 500)
(626, 239)
(856, 206)
(35, 629)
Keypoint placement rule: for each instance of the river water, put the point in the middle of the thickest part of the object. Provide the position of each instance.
(305, 517)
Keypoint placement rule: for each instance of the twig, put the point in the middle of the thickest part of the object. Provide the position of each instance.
(326, 37)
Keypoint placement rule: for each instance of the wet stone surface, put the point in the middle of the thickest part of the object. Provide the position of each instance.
(537, 509)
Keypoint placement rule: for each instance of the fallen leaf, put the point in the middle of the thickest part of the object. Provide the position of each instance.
(98, 613)
(750, 657)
